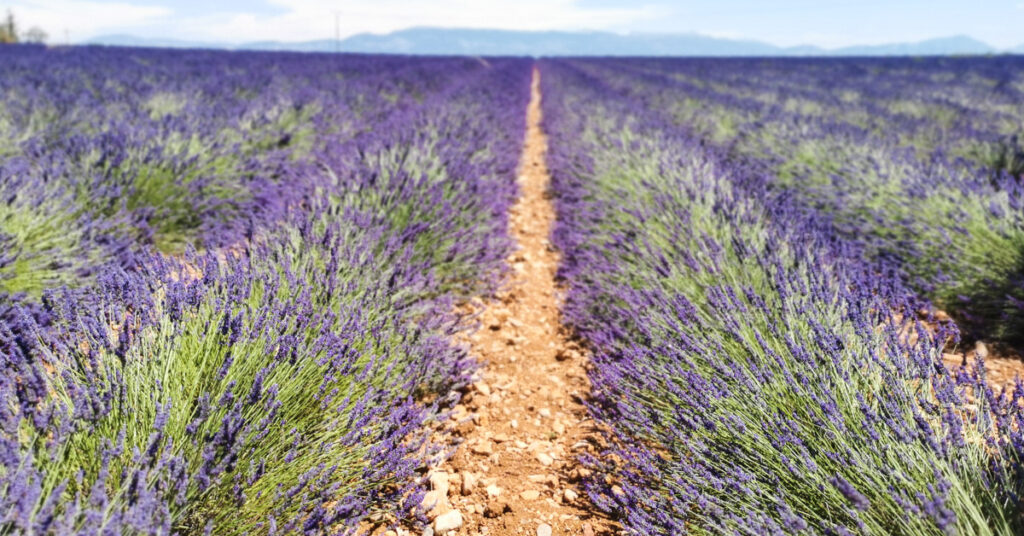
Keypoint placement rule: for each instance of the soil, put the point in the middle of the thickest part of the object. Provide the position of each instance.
(523, 424)
(1003, 365)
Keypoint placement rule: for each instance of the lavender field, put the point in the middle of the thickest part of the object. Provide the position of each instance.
(228, 281)
(758, 251)
(234, 291)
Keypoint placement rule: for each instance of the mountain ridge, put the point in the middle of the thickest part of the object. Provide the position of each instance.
(485, 42)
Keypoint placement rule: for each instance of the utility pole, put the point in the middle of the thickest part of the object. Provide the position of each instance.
(337, 32)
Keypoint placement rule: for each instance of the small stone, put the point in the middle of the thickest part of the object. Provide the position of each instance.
(468, 483)
(390, 533)
(434, 503)
(514, 424)
(482, 388)
(545, 459)
(439, 482)
(543, 529)
(617, 490)
(588, 530)
(429, 531)
(493, 490)
(545, 412)
(570, 494)
(455, 483)
(496, 508)
(980, 350)
(484, 447)
(448, 522)
(558, 427)
(530, 495)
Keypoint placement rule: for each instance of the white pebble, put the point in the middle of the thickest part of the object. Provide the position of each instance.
(448, 522)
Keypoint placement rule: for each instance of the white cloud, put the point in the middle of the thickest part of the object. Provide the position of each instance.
(302, 20)
(83, 18)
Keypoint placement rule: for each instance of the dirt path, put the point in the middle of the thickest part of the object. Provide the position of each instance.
(523, 424)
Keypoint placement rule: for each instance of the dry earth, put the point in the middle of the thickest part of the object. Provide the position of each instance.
(1002, 365)
(523, 423)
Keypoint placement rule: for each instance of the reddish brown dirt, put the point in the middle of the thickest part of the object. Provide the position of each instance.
(522, 424)
(1002, 365)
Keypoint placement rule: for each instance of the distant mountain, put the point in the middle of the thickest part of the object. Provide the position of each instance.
(958, 44)
(437, 41)
(1019, 49)
(122, 40)
(551, 43)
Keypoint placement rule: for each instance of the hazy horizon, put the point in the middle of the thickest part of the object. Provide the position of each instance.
(786, 23)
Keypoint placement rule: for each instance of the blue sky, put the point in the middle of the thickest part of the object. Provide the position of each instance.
(785, 22)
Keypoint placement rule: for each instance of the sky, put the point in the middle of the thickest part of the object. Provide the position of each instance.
(784, 22)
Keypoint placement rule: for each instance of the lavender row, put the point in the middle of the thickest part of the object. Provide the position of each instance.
(286, 384)
(105, 153)
(961, 106)
(755, 375)
(918, 190)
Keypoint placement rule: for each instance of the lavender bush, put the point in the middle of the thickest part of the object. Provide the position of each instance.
(917, 160)
(756, 376)
(284, 384)
(129, 150)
